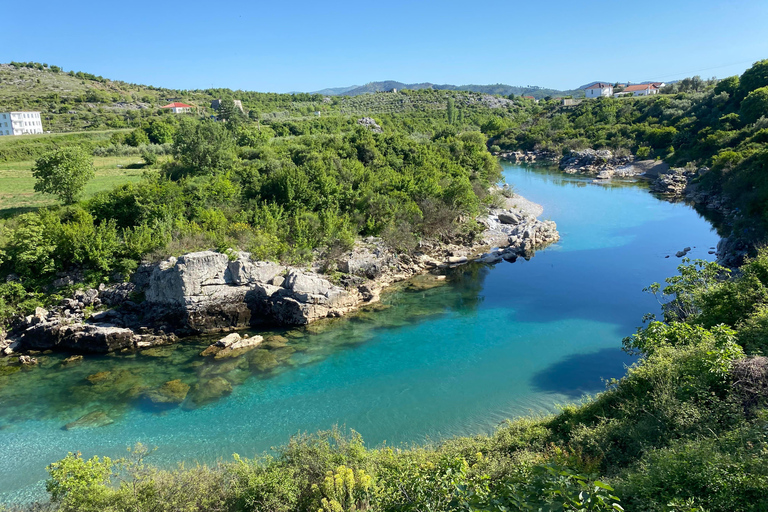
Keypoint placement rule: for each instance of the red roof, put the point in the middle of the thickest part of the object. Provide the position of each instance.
(176, 104)
(640, 87)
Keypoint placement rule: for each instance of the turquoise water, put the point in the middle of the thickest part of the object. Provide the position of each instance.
(493, 342)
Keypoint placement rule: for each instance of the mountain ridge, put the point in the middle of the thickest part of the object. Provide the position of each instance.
(500, 89)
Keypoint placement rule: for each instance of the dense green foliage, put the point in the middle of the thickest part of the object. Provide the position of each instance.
(238, 187)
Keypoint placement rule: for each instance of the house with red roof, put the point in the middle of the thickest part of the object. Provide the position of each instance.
(640, 90)
(179, 108)
(599, 90)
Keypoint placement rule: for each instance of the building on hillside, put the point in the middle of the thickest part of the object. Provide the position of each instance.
(639, 90)
(215, 104)
(599, 90)
(571, 102)
(20, 123)
(179, 108)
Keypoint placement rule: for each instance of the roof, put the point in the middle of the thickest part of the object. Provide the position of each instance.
(640, 87)
(598, 85)
(177, 104)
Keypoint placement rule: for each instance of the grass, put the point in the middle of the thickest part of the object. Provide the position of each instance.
(17, 194)
(29, 147)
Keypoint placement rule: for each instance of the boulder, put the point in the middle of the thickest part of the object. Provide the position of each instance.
(171, 393)
(93, 419)
(27, 360)
(211, 390)
(76, 337)
(510, 217)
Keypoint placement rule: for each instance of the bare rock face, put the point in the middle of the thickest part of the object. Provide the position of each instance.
(369, 259)
(205, 291)
(76, 337)
(672, 182)
(595, 162)
(301, 299)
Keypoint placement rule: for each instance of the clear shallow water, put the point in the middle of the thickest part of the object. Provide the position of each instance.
(492, 343)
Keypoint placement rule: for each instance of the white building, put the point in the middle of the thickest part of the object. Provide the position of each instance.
(179, 108)
(641, 90)
(20, 123)
(599, 90)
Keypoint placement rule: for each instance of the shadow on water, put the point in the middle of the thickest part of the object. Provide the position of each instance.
(581, 374)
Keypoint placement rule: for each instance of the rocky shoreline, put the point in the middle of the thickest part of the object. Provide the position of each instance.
(674, 184)
(208, 292)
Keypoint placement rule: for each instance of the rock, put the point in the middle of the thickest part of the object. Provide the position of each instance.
(601, 163)
(93, 419)
(27, 360)
(244, 271)
(672, 182)
(455, 260)
(509, 217)
(76, 337)
(211, 350)
(240, 347)
(369, 260)
(171, 393)
(72, 359)
(228, 340)
(232, 345)
(680, 254)
(370, 124)
(100, 377)
(211, 390)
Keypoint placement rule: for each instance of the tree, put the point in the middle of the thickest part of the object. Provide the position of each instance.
(230, 113)
(754, 78)
(755, 105)
(451, 111)
(63, 172)
(203, 147)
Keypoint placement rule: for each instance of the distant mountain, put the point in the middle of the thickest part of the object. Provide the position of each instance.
(500, 89)
(336, 91)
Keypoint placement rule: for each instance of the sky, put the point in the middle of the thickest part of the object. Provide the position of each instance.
(307, 46)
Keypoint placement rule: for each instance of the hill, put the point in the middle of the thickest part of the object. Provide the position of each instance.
(498, 89)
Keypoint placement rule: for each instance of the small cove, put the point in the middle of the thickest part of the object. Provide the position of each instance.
(493, 342)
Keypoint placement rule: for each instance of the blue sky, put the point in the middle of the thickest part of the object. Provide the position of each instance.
(306, 46)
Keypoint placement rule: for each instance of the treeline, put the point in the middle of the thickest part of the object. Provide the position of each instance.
(685, 430)
(230, 186)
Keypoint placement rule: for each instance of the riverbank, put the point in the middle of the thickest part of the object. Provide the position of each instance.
(672, 184)
(208, 292)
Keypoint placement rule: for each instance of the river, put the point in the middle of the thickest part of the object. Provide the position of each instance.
(491, 343)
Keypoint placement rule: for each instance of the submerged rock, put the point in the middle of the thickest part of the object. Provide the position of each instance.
(210, 391)
(171, 393)
(93, 419)
(98, 378)
(72, 360)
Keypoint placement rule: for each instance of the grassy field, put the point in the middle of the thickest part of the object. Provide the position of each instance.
(29, 147)
(17, 193)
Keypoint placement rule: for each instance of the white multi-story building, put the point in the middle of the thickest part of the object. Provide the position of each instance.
(599, 90)
(20, 123)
